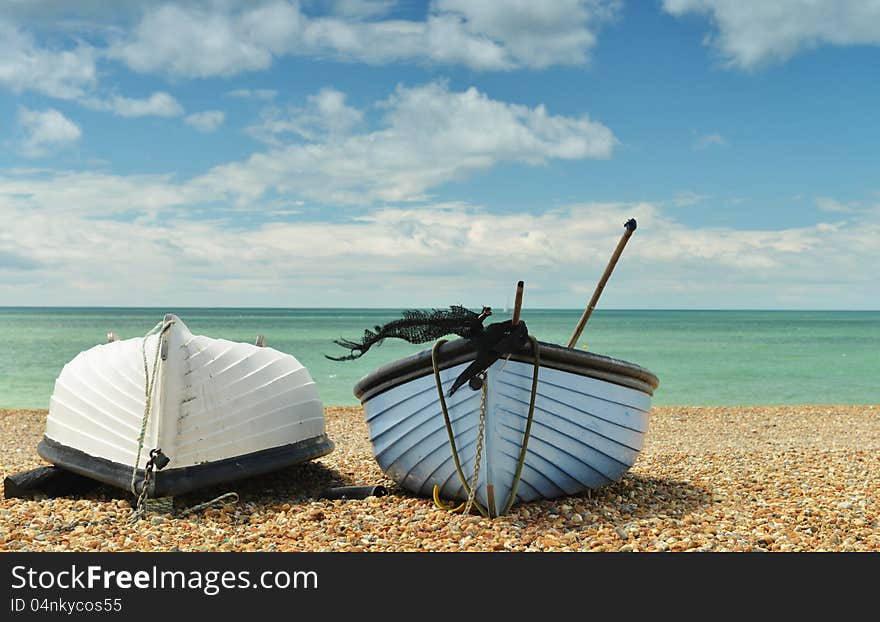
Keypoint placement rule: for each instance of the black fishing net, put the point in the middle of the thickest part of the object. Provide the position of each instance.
(491, 342)
(417, 327)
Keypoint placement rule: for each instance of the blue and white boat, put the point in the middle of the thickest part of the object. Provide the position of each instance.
(588, 423)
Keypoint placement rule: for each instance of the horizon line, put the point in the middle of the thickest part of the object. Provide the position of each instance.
(372, 308)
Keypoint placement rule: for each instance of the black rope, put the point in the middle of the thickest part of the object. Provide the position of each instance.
(496, 340)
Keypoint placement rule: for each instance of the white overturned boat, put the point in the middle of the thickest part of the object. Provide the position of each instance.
(219, 410)
(588, 425)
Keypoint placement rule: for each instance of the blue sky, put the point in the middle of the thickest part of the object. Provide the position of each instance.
(380, 153)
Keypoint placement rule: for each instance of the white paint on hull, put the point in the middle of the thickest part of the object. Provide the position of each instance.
(214, 399)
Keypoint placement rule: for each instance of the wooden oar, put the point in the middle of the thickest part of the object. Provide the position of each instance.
(517, 305)
(630, 226)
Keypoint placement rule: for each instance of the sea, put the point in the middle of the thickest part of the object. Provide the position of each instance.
(727, 358)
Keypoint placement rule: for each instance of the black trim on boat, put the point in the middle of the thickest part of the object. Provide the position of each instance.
(553, 356)
(182, 480)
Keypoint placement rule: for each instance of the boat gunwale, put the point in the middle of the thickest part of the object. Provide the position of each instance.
(182, 480)
(553, 356)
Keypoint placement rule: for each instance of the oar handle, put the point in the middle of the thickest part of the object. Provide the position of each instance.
(630, 226)
(517, 305)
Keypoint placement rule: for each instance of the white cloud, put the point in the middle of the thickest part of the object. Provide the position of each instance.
(704, 141)
(755, 33)
(429, 135)
(91, 195)
(264, 94)
(325, 115)
(207, 121)
(46, 132)
(159, 104)
(533, 34)
(196, 42)
(226, 38)
(329, 111)
(429, 255)
(855, 209)
(686, 198)
(827, 204)
(25, 66)
(68, 74)
(441, 39)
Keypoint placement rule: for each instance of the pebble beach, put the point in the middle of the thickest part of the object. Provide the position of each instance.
(780, 478)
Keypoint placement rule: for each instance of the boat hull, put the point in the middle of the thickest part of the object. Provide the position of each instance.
(588, 427)
(219, 410)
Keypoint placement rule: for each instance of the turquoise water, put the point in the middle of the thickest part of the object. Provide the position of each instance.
(701, 357)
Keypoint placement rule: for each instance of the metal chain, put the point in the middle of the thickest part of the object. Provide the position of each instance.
(137, 512)
(231, 496)
(141, 506)
(448, 422)
(479, 454)
(80, 523)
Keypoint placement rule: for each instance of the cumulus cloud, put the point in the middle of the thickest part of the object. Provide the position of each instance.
(61, 73)
(206, 121)
(196, 42)
(159, 104)
(429, 135)
(223, 39)
(751, 34)
(533, 34)
(325, 114)
(68, 74)
(46, 132)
